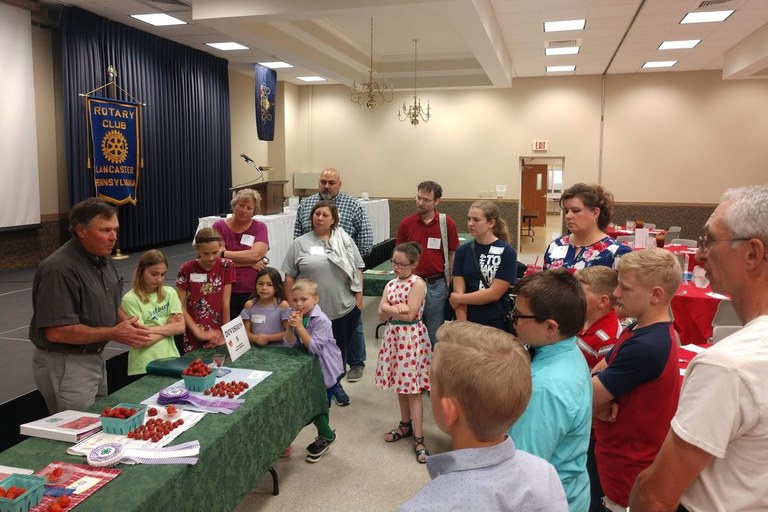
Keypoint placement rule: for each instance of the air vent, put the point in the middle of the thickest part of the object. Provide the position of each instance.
(563, 43)
(167, 5)
(709, 4)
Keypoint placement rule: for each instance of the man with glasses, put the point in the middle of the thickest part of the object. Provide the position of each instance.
(354, 220)
(439, 240)
(714, 456)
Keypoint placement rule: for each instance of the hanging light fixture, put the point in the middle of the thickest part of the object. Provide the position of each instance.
(371, 93)
(414, 113)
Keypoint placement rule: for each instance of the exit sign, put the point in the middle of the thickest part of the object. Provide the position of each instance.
(539, 145)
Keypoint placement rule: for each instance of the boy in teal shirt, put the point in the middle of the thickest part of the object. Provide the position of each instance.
(549, 311)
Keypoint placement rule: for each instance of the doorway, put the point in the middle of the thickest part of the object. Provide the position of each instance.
(541, 184)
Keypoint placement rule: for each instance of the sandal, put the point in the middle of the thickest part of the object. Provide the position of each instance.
(405, 429)
(421, 453)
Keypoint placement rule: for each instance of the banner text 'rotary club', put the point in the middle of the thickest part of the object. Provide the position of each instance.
(114, 113)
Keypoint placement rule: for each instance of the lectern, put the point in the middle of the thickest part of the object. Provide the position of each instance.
(272, 195)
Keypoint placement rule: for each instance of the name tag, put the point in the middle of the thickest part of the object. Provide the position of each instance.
(558, 252)
(495, 250)
(198, 278)
(433, 243)
(247, 240)
(258, 319)
(317, 250)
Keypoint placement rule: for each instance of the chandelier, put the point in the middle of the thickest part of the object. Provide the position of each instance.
(371, 93)
(414, 113)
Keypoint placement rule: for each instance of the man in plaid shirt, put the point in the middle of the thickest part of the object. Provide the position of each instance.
(352, 215)
(354, 220)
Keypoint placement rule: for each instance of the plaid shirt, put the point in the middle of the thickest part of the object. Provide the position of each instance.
(352, 217)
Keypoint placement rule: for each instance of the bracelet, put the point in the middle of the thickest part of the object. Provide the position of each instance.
(222, 252)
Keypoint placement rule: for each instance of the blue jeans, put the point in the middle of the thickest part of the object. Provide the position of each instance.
(345, 331)
(434, 308)
(356, 355)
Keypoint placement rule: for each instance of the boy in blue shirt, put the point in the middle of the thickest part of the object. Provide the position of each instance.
(308, 325)
(481, 383)
(549, 311)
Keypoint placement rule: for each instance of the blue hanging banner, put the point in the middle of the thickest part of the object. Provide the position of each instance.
(115, 152)
(266, 86)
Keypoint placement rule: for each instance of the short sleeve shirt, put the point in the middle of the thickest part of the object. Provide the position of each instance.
(605, 252)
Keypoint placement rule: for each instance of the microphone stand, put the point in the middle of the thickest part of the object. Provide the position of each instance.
(259, 178)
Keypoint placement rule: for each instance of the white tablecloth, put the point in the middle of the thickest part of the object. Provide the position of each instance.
(280, 228)
(378, 213)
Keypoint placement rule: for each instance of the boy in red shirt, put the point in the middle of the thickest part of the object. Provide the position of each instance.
(602, 328)
(637, 386)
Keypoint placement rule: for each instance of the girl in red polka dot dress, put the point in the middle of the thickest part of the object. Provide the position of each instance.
(405, 354)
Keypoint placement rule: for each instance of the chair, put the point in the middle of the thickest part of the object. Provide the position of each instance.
(726, 315)
(527, 228)
(672, 232)
(623, 239)
(684, 241)
(723, 331)
(649, 225)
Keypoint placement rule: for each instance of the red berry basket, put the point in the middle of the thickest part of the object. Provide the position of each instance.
(33, 486)
(122, 423)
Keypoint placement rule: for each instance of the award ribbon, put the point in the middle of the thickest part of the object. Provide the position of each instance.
(174, 395)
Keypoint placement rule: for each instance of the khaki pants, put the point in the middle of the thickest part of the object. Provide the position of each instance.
(69, 381)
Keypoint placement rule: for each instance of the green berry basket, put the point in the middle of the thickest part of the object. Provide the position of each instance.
(33, 496)
(123, 426)
(200, 384)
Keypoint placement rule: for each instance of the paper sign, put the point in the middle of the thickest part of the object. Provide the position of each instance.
(83, 484)
(317, 250)
(433, 243)
(641, 238)
(236, 338)
(247, 240)
(495, 250)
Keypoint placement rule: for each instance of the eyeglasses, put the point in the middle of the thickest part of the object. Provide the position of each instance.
(516, 316)
(396, 264)
(705, 242)
(424, 200)
(330, 183)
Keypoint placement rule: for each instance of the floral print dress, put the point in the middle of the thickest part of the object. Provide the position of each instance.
(605, 252)
(406, 353)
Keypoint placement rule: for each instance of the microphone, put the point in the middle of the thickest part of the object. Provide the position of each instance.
(246, 158)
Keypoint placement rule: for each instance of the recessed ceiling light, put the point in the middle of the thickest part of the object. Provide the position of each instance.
(565, 50)
(659, 63)
(158, 20)
(276, 65)
(560, 69)
(706, 17)
(559, 26)
(311, 78)
(228, 46)
(677, 45)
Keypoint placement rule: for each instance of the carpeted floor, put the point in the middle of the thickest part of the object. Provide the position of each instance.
(361, 472)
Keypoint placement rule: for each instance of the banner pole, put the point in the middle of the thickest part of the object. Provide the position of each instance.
(112, 76)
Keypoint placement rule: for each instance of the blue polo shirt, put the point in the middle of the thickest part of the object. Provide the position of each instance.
(556, 424)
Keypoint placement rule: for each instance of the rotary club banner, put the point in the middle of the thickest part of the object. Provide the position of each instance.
(115, 151)
(266, 88)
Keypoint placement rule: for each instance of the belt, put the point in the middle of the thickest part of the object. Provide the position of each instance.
(432, 279)
(74, 349)
(401, 322)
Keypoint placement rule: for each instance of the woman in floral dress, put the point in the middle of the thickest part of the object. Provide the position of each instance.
(588, 210)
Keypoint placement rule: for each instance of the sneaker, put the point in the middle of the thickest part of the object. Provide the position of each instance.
(355, 373)
(316, 450)
(340, 396)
